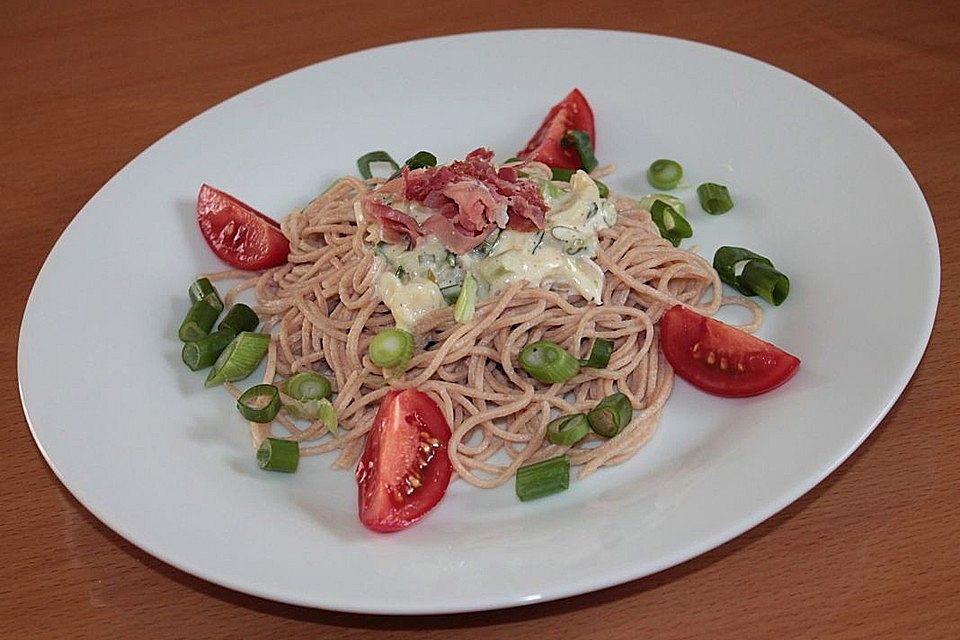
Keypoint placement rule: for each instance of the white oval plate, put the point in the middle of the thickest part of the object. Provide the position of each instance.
(135, 437)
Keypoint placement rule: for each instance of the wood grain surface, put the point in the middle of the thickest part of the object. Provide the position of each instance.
(872, 552)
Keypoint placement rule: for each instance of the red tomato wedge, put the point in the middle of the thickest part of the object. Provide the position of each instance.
(573, 113)
(404, 470)
(721, 359)
(240, 235)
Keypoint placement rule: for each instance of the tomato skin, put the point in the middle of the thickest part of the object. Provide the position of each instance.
(573, 113)
(241, 236)
(743, 365)
(405, 469)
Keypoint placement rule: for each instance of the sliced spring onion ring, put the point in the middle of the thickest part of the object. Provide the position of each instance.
(303, 409)
(240, 318)
(665, 174)
(602, 189)
(672, 226)
(611, 415)
(572, 239)
(548, 362)
(543, 478)
(391, 349)
(322, 410)
(466, 304)
(568, 430)
(199, 319)
(599, 354)
(584, 146)
(200, 354)
(202, 288)
(364, 162)
(241, 357)
(672, 201)
(758, 277)
(307, 385)
(450, 293)
(768, 283)
(276, 454)
(419, 160)
(564, 175)
(714, 198)
(725, 261)
(327, 414)
(259, 403)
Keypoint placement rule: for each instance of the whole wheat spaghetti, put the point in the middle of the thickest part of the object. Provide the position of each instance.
(323, 309)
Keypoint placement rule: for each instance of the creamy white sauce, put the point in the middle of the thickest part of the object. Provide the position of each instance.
(409, 301)
(414, 282)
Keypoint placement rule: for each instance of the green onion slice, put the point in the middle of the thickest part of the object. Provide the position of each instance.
(466, 304)
(564, 175)
(259, 403)
(303, 409)
(725, 261)
(364, 162)
(200, 354)
(240, 318)
(327, 414)
(665, 174)
(322, 410)
(548, 362)
(765, 281)
(568, 430)
(603, 189)
(202, 288)
(672, 201)
(391, 349)
(572, 239)
(419, 160)
(714, 198)
(543, 478)
(673, 226)
(276, 454)
(759, 276)
(584, 146)
(307, 385)
(599, 354)
(611, 415)
(241, 357)
(199, 319)
(450, 293)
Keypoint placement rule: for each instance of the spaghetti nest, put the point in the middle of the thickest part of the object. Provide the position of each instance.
(323, 310)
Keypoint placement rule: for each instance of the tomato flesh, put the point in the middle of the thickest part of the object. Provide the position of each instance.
(721, 359)
(404, 470)
(240, 236)
(573, 113)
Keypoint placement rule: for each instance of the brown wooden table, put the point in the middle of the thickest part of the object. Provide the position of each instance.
(873, 551)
